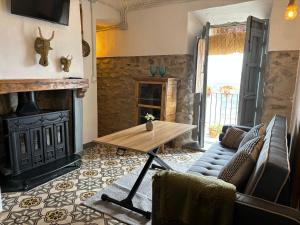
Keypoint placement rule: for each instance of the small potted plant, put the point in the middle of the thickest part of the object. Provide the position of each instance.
(149, 124)
(209, 91)
(214, 130)
(226, 90)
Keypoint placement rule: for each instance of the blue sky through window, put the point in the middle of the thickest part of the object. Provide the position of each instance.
(225, 70)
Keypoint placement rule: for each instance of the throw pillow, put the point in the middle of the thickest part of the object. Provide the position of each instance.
(255, 131)
(262, 130)
(233, 138)
(239, 168)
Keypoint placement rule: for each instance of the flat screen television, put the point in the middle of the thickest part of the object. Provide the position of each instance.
(56, 11)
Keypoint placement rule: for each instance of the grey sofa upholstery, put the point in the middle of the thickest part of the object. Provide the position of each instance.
(272, 168)
(212, 161)
(256, 202)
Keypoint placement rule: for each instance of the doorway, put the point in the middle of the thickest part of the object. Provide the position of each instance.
(225, 61)
(229, 77)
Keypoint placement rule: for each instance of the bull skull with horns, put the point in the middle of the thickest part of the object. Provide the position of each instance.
(42, 47)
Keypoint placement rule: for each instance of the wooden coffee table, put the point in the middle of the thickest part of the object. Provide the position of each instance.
(149, 142)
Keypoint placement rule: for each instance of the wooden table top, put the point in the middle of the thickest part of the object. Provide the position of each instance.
(139, 139)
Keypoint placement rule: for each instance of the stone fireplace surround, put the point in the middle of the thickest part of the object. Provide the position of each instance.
(53, 94)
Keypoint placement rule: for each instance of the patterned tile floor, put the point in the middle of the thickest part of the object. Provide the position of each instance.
(58, 201)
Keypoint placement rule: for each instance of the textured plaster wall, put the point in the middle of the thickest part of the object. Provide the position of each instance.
(279, 87)
(116, 89)
(105, 14)
(18, 59)
(281, 66)
(284, 35)
(159, 30)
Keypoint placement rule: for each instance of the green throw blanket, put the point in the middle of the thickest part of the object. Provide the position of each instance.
(185, 199)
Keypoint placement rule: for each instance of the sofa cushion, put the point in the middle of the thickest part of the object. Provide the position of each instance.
(272, 168)
(239, 168)
(233, 138)
(256, 131)
(212, 161)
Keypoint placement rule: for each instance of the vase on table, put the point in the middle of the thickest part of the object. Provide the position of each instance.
(162, 71)
(149, 125)
(153, 70)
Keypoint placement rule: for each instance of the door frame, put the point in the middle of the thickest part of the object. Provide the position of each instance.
(200, 97)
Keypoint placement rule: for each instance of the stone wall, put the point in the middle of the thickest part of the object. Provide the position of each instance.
(279, 87)
(116, 88)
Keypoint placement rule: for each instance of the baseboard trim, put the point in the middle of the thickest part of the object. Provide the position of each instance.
(37, 176)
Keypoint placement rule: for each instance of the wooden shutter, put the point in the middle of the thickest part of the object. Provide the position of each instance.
(252, 75)
(201, 60)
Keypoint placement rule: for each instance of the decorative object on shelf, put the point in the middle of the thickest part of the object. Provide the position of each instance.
(291, 10)
(42, 47)
(149, 124)
(162, 71)
(86, 49)
(153, 70)
(66, 62)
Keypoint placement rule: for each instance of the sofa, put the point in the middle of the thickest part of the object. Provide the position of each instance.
(257, 200)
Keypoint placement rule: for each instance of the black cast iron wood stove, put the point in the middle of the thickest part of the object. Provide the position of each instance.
(37, 145)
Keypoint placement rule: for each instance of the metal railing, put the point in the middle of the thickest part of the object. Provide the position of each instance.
(221, 109)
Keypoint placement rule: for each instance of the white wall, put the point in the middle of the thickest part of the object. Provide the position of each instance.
(284, 35)
(194, 28)
(105, 14)
(18, 59)
(90, 99)
(154, 31)
(90, 111)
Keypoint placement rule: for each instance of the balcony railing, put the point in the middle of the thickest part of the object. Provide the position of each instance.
(221, 108)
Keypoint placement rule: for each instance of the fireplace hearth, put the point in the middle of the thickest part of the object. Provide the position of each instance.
(37, 145)
(38, 139)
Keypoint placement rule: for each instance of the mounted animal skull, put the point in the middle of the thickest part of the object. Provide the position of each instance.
(42, 47)
(66, 62)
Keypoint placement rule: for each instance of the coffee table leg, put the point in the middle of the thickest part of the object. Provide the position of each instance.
(127, 202)
(162, 165)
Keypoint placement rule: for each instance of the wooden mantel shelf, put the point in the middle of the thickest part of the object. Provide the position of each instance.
(14, 86)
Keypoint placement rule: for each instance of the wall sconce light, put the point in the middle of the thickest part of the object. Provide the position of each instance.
(291, 10)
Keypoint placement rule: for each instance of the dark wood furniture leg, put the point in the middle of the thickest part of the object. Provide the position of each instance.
(127, 202)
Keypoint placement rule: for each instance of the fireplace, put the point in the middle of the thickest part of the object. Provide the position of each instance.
(38, 139)
(35, 139)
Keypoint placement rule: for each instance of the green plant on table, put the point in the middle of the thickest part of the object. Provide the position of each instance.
(149, 117)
